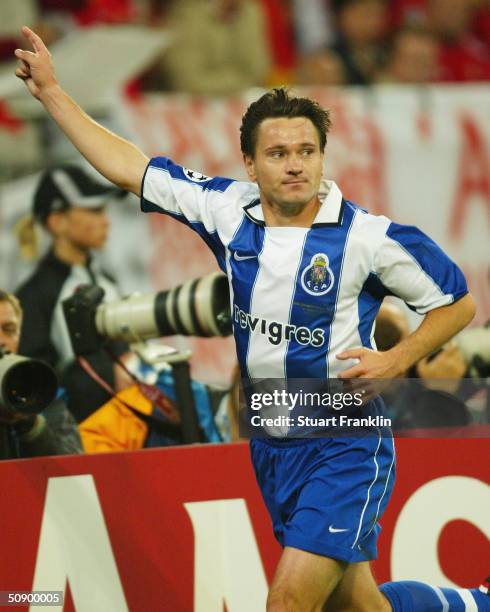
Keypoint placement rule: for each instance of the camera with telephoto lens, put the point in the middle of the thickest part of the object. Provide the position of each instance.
(199, 307)
(27, 385)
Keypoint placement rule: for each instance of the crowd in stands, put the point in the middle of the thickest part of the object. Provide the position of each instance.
(223, 46)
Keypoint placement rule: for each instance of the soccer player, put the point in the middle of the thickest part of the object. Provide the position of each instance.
(307, 272)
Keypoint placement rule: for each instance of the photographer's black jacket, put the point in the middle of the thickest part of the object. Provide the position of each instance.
(45, 334)
(12, 447)
(55, 434)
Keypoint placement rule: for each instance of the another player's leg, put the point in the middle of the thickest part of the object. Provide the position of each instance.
(303, 581)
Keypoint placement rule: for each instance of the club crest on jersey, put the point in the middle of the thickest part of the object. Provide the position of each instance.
(197, 177)
(317, 278)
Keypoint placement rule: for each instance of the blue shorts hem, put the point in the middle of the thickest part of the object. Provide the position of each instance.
(349, 555)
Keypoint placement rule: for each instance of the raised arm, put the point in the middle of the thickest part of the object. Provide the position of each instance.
(118, 160)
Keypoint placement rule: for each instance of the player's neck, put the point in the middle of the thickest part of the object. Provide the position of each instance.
(276, 216)
(70, 253)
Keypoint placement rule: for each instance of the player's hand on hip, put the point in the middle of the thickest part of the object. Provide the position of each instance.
(371, 364)
(35, 67)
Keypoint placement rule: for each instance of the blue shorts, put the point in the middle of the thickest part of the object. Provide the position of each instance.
(326, 495)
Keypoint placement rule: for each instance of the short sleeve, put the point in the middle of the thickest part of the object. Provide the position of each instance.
(414, 268)
(188, 196)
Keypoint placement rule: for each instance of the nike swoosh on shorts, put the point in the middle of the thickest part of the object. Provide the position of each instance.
(335, 530)
(243, 257)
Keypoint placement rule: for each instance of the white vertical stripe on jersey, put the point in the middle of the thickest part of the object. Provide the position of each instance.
(344, 328)
(291, 305)
(229, 276)
(470, 604)
(442, 598)
(272, 296)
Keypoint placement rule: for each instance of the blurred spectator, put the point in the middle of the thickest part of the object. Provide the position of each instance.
(220, 47)
(481, 22)
(412, 57)
(313, 25)
(52, 432)
(462, 28)
(361, 26)
(51, 19)
(130, 421)
(356, 53)
(463, 57)
(90, 12)
(407, 13)
(280, 32)
(156, 11)
(13, 15)
(106, 11)
(70, 205)
(321, 68)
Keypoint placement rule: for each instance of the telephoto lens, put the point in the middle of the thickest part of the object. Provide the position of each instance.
(26, 385)
(199, 307)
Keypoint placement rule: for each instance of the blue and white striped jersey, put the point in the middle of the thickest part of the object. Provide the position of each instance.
(299, 296)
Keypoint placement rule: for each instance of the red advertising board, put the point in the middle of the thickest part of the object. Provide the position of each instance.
(185, 529)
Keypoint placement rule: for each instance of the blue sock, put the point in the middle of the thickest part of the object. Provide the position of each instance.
(411, 596)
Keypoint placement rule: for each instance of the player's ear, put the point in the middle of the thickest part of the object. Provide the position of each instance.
(250, 167)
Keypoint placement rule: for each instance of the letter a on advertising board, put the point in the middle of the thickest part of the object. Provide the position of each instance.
(74, 546)
(227, 563)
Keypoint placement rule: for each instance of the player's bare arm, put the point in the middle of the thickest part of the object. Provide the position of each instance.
(118, 160)
(438, 326)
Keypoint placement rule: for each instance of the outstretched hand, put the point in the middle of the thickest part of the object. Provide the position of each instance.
(35, 67)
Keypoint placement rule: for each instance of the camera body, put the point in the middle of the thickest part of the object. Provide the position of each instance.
(199, 307)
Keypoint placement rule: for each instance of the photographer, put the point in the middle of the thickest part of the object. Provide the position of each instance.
(52, 432)
(71, 206)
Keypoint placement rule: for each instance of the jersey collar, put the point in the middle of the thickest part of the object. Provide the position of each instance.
(330, 213)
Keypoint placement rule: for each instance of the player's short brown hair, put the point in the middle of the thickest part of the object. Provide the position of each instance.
(280, 103)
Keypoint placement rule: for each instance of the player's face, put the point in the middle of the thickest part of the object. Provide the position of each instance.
(86, 228)
(9, 327)
(288, 163)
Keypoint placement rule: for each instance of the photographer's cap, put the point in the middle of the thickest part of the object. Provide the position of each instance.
(68, 186)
